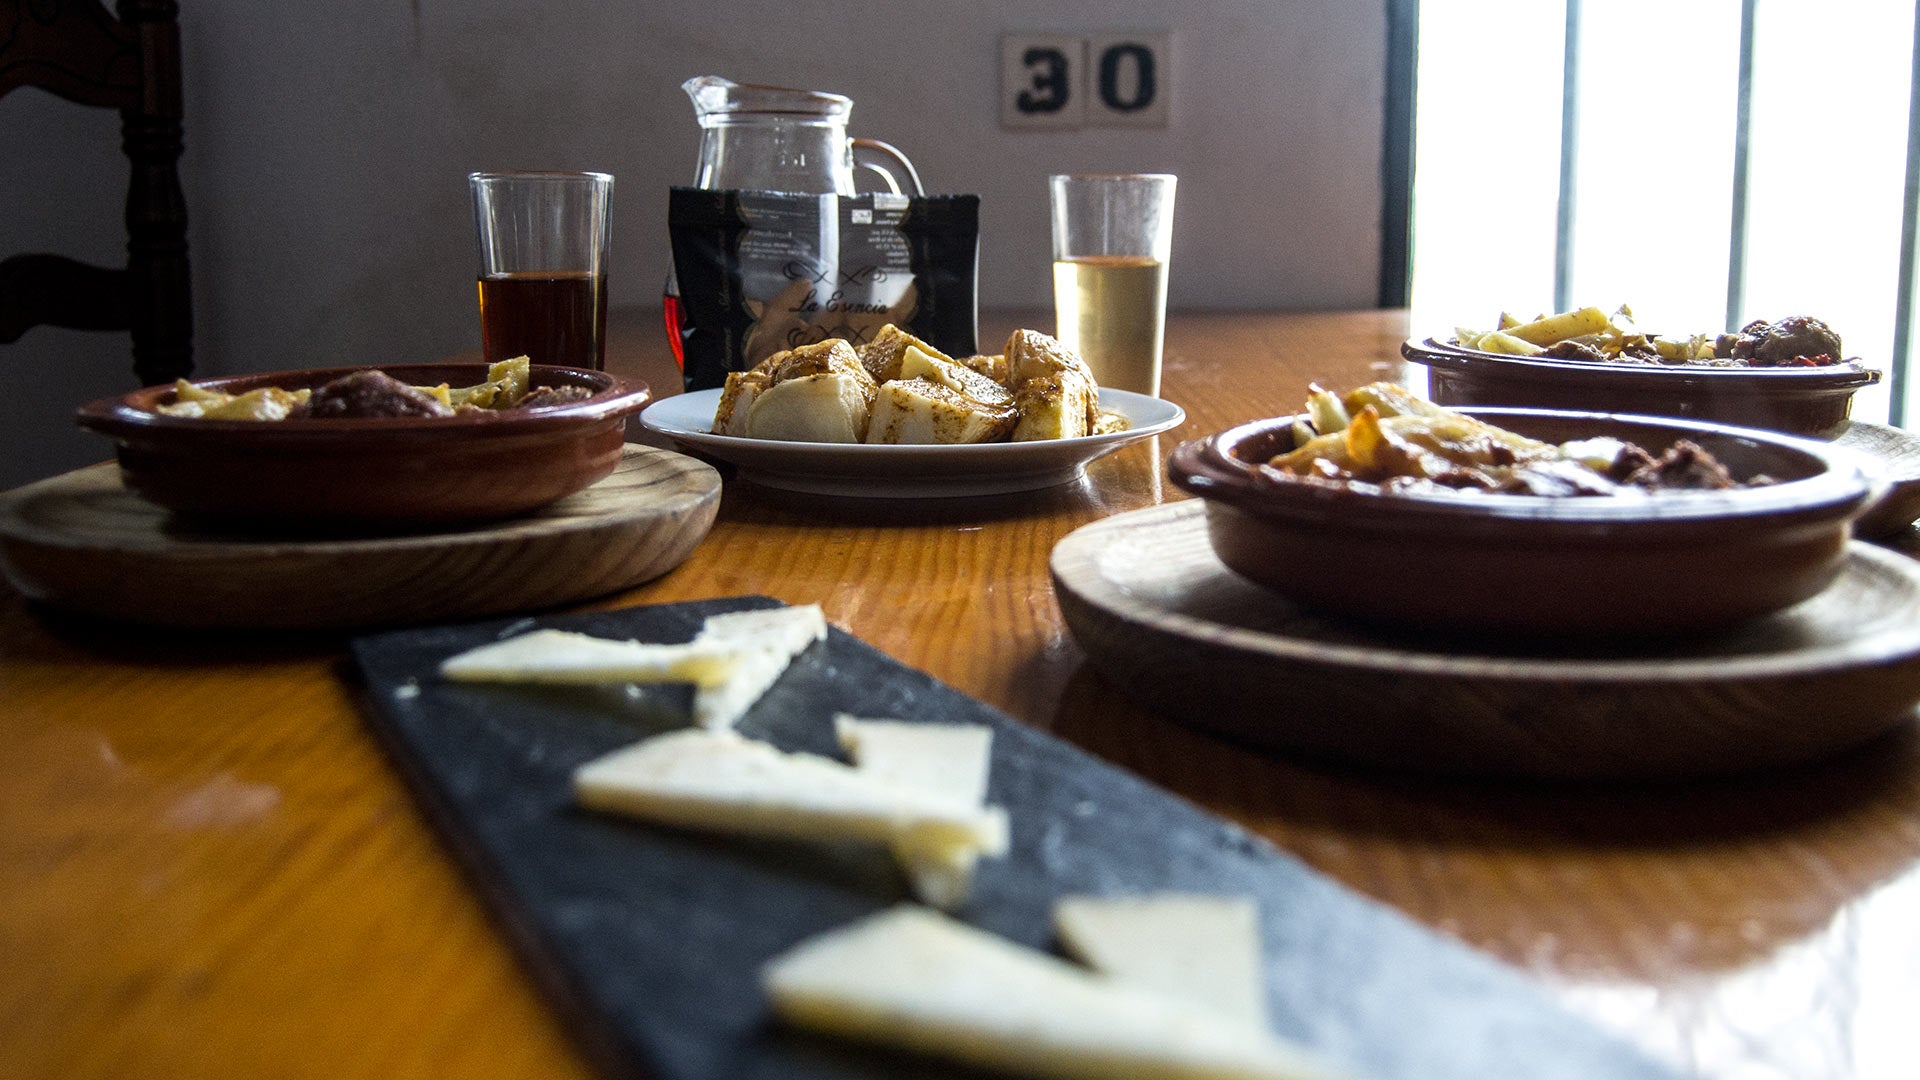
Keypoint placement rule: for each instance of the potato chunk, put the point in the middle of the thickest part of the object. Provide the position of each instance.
(924, 411)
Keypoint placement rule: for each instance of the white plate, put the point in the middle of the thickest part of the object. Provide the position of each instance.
(907, 471)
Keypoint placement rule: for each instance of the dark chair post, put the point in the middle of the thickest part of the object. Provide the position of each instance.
(157, 270)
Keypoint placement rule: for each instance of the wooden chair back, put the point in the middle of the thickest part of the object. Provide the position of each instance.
(127, 60)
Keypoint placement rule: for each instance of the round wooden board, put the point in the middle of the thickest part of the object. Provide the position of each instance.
(1161, 618)
(1896, 454)
(83, 543)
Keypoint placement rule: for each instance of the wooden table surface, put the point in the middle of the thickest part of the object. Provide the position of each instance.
(208, 869)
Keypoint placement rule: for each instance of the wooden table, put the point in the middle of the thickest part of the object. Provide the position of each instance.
(207, 868)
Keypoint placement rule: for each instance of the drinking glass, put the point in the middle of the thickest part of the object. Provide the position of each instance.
(542, 241)
(1112, 236)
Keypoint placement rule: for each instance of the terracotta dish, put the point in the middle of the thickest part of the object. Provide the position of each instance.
(390, 472)
(1798, 400)
(1572, 567)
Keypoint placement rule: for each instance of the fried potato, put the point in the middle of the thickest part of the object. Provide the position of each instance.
(1330, 447)
(1567, 324)
(993, 367)
(507, 382)
(882, 356)
(266, 403)
(913, 393)
(1500, 341)
(1326, 412)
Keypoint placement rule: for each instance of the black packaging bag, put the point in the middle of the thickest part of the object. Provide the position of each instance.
(762, 271)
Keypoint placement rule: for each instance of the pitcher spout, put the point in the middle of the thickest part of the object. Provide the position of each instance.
(714, 96)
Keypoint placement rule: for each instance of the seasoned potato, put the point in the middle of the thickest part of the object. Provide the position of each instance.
(911, 392)
(1552, 328)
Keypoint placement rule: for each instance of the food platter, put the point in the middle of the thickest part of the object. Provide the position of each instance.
(389, 472)
(650, 940)
(907, 471)
(1515, 564)
(1161, 617)
(1811, 401)
(84, 543)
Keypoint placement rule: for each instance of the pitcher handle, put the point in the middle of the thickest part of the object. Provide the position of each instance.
(900, 159)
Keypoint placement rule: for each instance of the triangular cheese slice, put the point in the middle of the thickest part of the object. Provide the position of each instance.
(944, 761)
(910, 977)
(718, 781)
(1202, 949)
(947, 760)
(765, 641)
(731, 662)
(566, 658)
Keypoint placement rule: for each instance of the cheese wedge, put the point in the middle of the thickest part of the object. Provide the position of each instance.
(790, 628)
(566, 658)
(1204, 950)
(763, 643)
(734, 659)
(718, 781)
(949, 762)
(910, 977)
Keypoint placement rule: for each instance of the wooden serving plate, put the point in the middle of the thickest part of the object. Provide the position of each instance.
(1897, 453)
(1159, 616)
(82, 542)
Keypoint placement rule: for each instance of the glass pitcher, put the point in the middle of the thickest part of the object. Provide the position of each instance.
(769, 138)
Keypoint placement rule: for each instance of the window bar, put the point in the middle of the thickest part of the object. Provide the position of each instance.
(1742, 133)
(1569, 142)
(1396, 155)
(1909, 227)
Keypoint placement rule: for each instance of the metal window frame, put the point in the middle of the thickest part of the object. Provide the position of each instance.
(1396, 218)
(1396, 155)
(1569, 159)
(1903, 304)
(1742, 132)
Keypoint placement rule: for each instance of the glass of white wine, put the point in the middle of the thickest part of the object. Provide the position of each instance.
(1112, 235)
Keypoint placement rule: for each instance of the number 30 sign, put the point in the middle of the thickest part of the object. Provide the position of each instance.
(1059, 81)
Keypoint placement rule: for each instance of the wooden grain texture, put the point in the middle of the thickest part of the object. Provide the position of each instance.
(82, 542)
(1896, 452)
(211, 871)
(1161, 617)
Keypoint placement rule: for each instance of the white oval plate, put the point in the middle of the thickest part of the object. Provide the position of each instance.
(916, 472)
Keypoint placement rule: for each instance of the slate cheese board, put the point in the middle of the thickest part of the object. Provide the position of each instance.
(649, 940)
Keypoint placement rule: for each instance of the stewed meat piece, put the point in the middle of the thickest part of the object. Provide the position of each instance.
(365, 394)
(1686, 466)
(1799, 339)
(543, 397)
(1572, 349)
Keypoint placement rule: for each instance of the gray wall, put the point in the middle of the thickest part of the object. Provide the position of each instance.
(327, 146)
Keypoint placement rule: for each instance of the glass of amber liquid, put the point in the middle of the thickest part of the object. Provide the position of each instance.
(1112, 236)
(542, 240)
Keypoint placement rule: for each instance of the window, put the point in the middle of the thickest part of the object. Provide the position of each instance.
(1603, 152)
